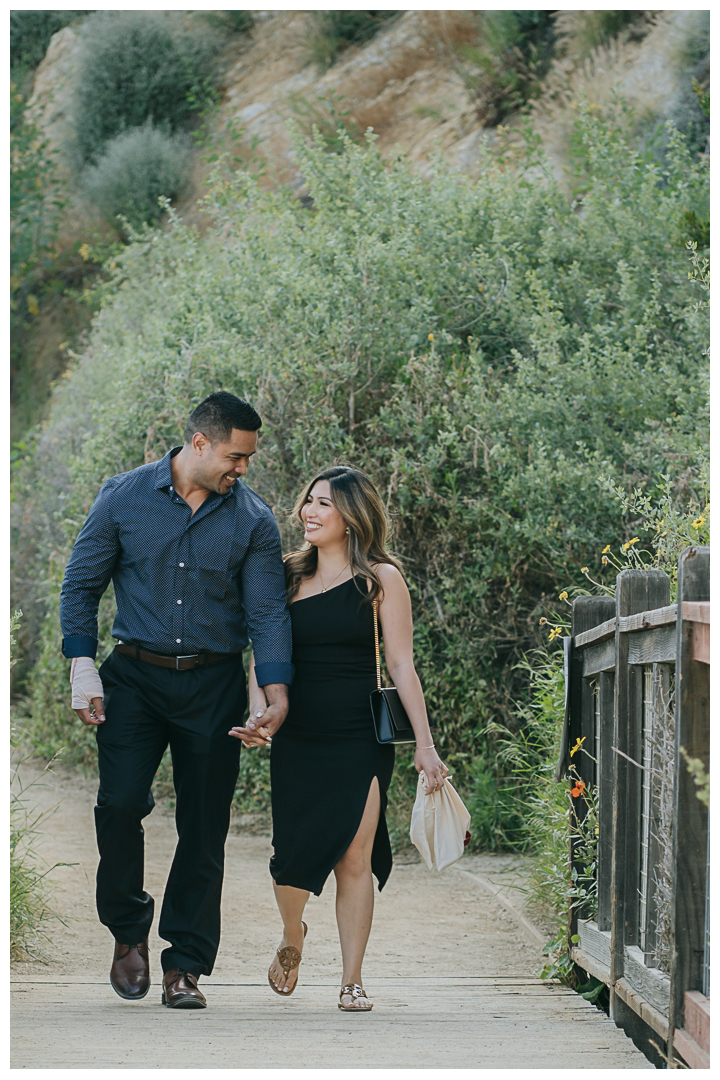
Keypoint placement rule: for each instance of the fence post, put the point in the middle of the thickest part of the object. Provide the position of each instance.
(692, 732)
(636, 591)
(587, 613)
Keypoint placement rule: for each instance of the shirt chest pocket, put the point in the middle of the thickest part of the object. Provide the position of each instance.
(217, 557)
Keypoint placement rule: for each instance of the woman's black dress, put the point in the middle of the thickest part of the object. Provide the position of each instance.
(325, 755)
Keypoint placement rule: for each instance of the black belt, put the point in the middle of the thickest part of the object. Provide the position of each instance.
(177, 663)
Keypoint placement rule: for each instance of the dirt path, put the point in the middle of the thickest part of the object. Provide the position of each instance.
(449, 965)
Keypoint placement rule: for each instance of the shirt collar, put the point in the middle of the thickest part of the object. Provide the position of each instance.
(163, 472)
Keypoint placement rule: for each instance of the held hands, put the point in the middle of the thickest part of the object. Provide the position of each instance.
(87, 691)
(428, 761)
(254, 733)
(262, 723)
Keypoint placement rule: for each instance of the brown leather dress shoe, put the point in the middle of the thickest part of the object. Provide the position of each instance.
(130, 971)
(180, 990)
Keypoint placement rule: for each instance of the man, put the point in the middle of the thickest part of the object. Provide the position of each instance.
(195, 559)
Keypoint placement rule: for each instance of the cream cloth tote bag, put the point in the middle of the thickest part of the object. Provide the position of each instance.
(440, 824)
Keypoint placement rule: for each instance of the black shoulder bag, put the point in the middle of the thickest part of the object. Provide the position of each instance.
(392, 724)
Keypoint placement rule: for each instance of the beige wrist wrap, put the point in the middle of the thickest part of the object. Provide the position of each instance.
(85, 682)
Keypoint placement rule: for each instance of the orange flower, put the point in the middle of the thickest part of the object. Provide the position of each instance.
(578, 789)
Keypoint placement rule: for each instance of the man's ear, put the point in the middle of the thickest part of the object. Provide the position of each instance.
(199, 442)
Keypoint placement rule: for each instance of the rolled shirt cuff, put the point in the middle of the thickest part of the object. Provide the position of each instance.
(79, 646)
(274, 673)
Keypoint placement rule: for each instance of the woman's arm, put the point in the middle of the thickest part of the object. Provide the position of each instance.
(257, 704)
(395, 613)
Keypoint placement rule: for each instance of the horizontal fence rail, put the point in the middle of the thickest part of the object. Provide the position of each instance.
(637, 707)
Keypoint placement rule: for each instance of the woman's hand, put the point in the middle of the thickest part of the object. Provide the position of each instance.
(253, 734)
(428, 761)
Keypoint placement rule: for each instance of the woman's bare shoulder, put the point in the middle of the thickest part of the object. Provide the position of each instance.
(388, 574)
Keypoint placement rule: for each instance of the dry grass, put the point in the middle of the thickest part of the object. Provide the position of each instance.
(579, 33)
(445, 33)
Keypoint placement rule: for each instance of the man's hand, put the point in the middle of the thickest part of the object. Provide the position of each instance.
(94, 716)
(87, 691)
(262, 725)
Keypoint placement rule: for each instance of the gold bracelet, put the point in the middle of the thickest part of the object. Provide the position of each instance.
(430, 747)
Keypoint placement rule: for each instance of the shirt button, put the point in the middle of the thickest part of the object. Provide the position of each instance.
(177, 640)
(172, 488)
(179, 601)
(181, 564)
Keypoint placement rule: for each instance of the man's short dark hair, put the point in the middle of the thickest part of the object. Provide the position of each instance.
(219, 415)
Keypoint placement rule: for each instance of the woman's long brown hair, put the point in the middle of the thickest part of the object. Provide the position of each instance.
(356, 498)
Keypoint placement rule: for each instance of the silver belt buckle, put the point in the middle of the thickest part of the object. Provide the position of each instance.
(188, 657)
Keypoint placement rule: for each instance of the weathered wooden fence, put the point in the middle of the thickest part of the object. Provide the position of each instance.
(637, 694)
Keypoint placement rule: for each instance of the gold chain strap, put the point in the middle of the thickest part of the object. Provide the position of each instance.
(377, 644)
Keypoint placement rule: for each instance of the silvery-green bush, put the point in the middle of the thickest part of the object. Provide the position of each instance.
(136, 170)
(488, 351)
(138, 66)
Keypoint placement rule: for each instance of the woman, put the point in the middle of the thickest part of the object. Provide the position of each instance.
(329, 774)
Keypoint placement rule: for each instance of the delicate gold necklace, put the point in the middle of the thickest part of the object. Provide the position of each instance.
(326, 587)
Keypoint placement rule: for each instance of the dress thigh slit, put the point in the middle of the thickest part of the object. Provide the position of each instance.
(314, 825)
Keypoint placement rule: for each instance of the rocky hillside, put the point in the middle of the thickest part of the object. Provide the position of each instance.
(411, 83)
(451, 82)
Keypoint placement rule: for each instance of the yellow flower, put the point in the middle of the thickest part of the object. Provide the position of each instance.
(630, 543)
(698, 522)
(604, 560)
(577, 746)
(606, 549)
(431, 337)
(84, 252)
(480, 288)
(583, 569)
(555, 632)
(563, 595)
(597, 830)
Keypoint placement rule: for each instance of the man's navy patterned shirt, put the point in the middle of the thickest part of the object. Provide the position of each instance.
(184, 583)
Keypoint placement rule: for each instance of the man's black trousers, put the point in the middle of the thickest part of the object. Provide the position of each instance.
(147, 708)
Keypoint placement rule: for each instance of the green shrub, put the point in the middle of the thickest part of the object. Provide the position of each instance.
(137, 66)
(325, 116)
(497, 824)
(31, 31)
(30, 910)
(40, 269)
(333, 31)
(484, 350)
(237, 22)
(34, 213)
(136, 169)
(504, 67)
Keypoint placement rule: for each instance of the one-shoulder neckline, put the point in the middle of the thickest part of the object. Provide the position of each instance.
(323, 592)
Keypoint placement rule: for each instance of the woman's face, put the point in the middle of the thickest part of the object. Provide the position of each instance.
(324, 525)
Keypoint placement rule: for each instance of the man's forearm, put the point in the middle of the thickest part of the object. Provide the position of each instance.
(276, 694)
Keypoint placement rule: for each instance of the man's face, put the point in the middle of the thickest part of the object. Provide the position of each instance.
(219, 465)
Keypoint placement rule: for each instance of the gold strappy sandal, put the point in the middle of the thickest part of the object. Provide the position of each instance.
(289, 958)
(358, 999)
